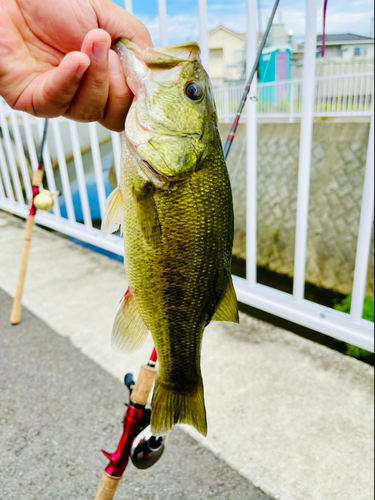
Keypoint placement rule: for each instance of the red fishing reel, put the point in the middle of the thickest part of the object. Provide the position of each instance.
(137, 441)
(146, 449)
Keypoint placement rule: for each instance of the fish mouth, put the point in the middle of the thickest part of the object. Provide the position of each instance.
(151, 168)
(165, 64)
(158, 179)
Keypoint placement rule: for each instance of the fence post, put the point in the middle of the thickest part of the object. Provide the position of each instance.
(163, 20)
(365, 231)
(308, 94)
(291, 107)
(226, 105)
(203, 33)
(251, 146)
(129, 6)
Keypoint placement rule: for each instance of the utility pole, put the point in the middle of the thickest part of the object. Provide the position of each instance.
(372, 28)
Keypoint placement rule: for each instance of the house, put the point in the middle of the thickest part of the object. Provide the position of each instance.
(346, 53)
(227, 55)
(228, 52)
(344, 46)
(347, 45)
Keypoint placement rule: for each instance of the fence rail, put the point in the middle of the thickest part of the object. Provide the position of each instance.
(335, 96)
(78, 156)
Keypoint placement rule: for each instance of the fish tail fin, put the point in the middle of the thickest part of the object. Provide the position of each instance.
(171, 406)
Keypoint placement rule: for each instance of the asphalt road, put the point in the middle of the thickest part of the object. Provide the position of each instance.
(58, 409)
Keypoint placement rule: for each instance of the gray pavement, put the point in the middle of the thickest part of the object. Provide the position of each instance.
(293, 417)
(58, 408)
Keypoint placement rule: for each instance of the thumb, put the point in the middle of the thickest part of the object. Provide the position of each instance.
(50, 94)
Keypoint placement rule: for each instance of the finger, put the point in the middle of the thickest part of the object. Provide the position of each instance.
(50, 94)
(120, 96)
(120, 24)
(91, 98)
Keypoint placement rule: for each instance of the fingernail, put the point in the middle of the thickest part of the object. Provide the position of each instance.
(100, 51)
(114, 66)
(82, 70)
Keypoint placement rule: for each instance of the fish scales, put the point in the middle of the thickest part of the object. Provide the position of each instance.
(177, 220)
(180, 281)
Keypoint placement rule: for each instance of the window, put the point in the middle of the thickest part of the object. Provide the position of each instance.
(216, 54)
(360, 51)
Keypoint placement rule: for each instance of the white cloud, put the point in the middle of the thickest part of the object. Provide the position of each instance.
(184, 27)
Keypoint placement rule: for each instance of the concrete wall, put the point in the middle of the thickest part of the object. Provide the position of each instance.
(338, 168)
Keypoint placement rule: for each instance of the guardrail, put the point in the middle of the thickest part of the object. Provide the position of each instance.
(335, 96)
(78, 156)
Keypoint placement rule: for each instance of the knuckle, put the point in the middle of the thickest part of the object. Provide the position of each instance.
(144, 32)
(93, 115)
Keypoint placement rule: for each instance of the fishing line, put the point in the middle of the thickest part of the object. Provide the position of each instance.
(232, 133)
(40, 158)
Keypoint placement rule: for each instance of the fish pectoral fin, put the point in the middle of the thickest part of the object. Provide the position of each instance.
(148, 215)
(129, 331)
(228, 307)
(112, 177)
(114, 213)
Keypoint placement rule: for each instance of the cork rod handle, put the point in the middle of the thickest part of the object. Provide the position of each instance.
(107, 487)
(143, 386)
(15, 316)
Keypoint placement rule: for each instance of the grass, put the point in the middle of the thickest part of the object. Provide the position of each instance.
(368, 314)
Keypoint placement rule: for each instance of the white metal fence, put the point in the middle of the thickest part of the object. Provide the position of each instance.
(335, 96)
(84, 190)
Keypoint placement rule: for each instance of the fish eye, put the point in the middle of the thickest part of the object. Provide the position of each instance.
(194, 91)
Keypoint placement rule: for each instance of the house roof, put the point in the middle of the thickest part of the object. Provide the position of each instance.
(344, 38)
(228, 30)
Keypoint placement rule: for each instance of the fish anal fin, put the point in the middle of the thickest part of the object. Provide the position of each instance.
(228, 307)
(114, 213)
(129, 331)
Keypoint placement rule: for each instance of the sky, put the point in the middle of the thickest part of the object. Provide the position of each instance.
(343, 16)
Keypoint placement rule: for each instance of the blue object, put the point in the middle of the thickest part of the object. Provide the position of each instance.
(275, 65)
(92, 193)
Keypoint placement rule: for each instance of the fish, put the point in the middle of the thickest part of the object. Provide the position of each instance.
(175, 209)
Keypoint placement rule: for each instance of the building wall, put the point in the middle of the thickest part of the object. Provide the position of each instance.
(365, 50)
(333, 51)
(232, 48)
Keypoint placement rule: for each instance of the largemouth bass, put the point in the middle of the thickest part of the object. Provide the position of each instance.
(174, 204)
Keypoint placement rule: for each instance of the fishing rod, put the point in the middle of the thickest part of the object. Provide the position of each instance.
(42, 201)
(137, 442)
(233, 131)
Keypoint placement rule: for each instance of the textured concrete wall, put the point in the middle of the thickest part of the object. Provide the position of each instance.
(338, 167)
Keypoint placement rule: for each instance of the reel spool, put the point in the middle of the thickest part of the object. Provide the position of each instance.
(147, 449)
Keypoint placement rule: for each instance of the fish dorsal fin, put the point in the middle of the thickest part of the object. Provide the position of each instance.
(159, 62)
(129, 331)
(228, 307)
(114, 213)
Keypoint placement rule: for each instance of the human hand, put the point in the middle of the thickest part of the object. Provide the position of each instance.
(55, 58)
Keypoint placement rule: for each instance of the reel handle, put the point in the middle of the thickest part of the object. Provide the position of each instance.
(129, 382)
